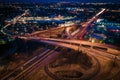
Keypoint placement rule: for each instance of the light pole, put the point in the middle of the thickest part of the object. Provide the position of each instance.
(114, 63)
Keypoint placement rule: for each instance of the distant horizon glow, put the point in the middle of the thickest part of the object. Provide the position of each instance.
(46, 1)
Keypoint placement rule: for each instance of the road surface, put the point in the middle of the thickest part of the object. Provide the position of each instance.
(28, 66)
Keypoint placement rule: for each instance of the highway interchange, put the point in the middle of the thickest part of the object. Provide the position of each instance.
(24, 70)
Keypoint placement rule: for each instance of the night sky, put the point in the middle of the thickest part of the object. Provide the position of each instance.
(39, 1)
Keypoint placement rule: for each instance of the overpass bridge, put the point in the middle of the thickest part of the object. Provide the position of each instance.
(97, 46)
(102, 48)
(56, 28)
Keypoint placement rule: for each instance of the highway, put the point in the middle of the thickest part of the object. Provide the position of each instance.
(93, 52)
(26, 69)
(81, 42)
(112, 51)
(36, 64)
(67, 45)
(29, 66)
(88, 75)
(45, 18)
(85, 27)
(13, 21)
(92, 49)
(68, 32)
(104, 47)
(87, 24)
(18, 17)
(52, 29)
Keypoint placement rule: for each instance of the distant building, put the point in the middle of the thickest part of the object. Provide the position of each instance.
(97, 38)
